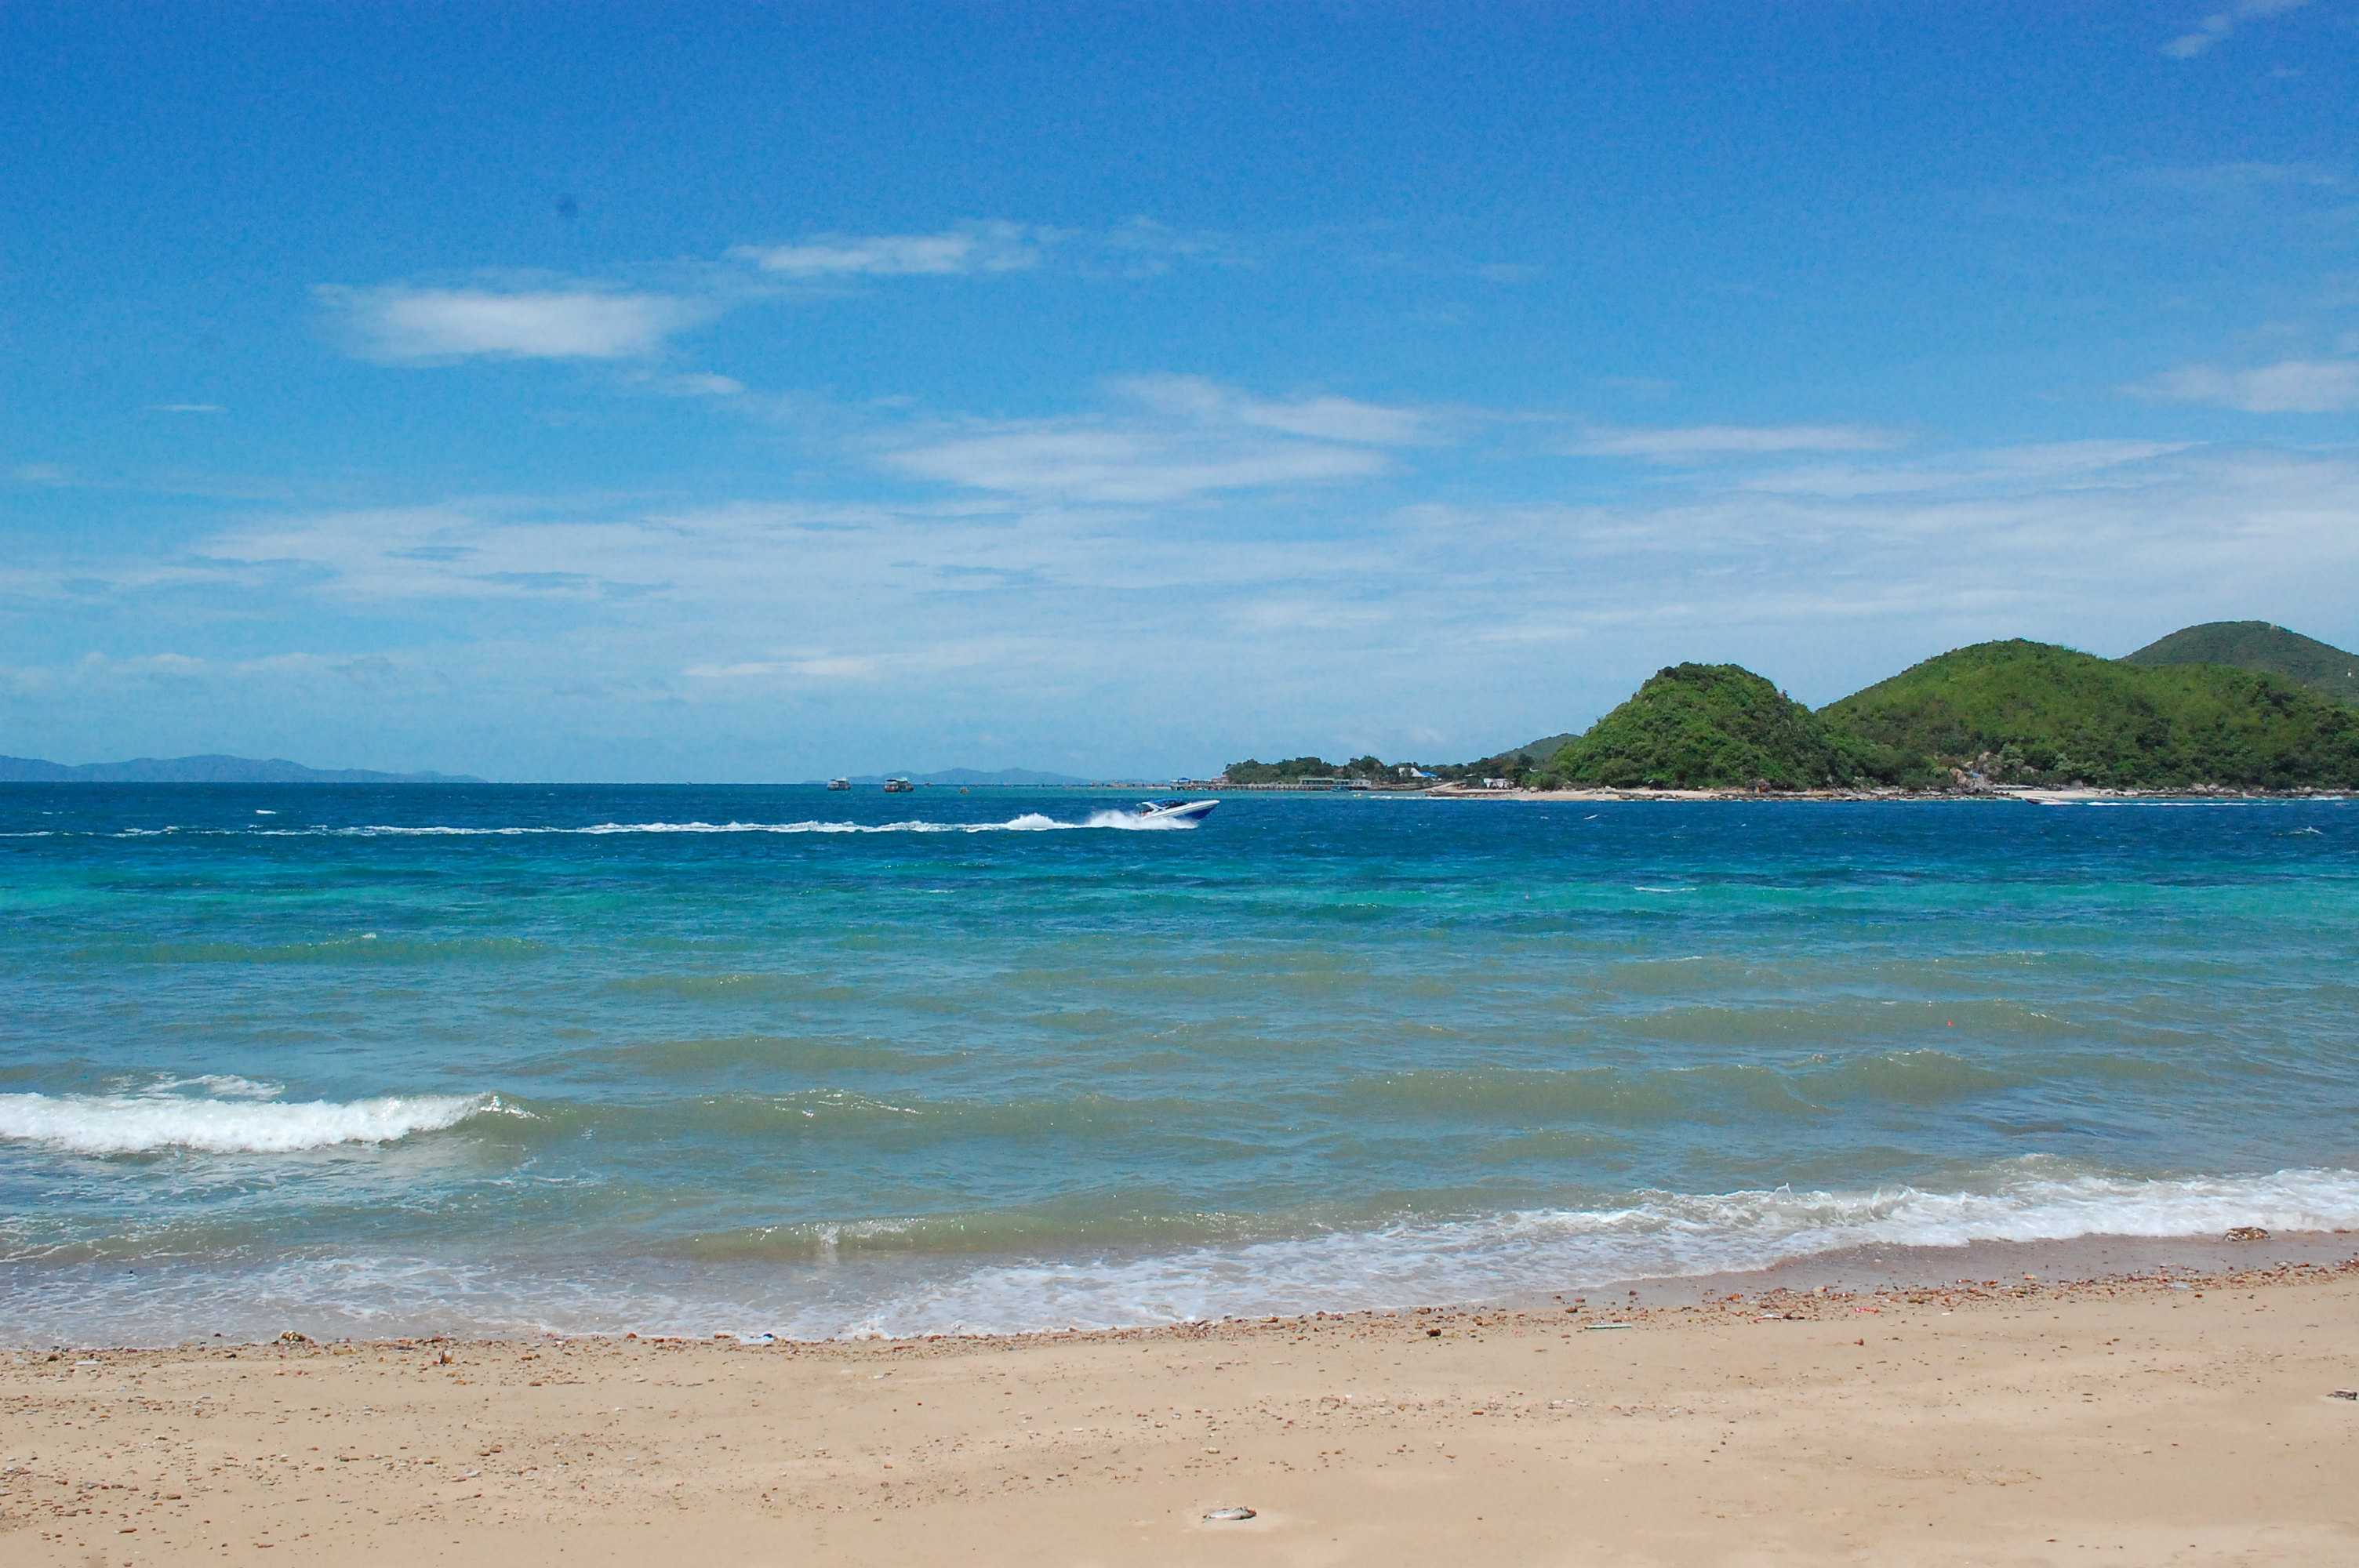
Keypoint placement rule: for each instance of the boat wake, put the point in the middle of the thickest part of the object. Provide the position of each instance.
(1030, 822)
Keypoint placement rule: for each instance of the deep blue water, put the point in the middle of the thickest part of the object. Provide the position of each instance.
(487, 1056)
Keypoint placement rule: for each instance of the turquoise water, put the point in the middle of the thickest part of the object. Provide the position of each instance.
(779, 1060)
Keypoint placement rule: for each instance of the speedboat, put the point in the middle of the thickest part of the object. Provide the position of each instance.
(1190, 811)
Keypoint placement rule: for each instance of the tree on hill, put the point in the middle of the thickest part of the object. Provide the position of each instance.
(2023, 712)
(1296, 769)
(1707, 727)
(2264, 649)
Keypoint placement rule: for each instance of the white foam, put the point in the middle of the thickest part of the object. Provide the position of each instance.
(220, 1085)
(1030, 822)
(1657, 1235)
(1654, 1236)
(131, 1124)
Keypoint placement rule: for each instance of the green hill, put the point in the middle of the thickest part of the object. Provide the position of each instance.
(2022, 712)
(2268, 649)
(1706, 727)
(1538, 752)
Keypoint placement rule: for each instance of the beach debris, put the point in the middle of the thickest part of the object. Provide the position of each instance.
(2345, 1394)
(1433, 1334)
(1593, 1328)
(2248, 1233)
(1224, 1515)
(292, 1337)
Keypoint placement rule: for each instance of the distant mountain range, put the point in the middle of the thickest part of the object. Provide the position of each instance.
(205, 770)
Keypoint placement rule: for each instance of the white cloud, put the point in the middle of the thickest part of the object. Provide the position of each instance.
(700, 385)
(822, 666)
(1324, 418)
(2053, 463)
(2214, 28)
(184, 407)
(969, 248)
(1697, 443)
(2238, 176)
(402, 323)
(1192, 436)
(1129, 466)
(526, 637)
(2290, 386)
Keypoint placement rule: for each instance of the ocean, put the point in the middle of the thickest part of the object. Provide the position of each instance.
(468, 1059)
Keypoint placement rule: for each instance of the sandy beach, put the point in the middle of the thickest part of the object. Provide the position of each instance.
(2134, 1421)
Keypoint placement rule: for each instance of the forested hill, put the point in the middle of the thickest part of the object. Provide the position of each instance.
(2233, 705)
(2263, 648)
(2021, 712)
(1707, 727)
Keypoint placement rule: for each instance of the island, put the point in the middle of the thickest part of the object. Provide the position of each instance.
(2226, 707)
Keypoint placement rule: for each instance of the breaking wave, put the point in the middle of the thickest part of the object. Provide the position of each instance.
(138, 1123)
(1493, 1257)
(1661, 1236)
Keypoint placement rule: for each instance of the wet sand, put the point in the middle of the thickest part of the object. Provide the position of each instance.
(2128, 1420)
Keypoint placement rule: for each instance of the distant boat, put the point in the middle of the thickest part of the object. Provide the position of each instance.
(898, 786)
(839, 784)
(1190, 811)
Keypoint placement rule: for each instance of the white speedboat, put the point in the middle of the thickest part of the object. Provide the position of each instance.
(1174, 810)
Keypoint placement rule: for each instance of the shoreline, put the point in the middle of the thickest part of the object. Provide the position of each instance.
(2181, 1416)
(1857, 1266)
(1994, 794)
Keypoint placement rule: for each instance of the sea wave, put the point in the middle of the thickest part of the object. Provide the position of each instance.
(139, 1124)
(1030, 822)
(844, 1294)
(1656, 1236)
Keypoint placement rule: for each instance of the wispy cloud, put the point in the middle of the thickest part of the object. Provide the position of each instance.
(525, 316)
(811, 665)
(2217, 28)
(575, 632)
(406, 324)
(698, 384)
(2290, 386)
(2054, 465)
(1189, 436)
(2240, 176)
(994, 247)
(1323, 418)
(1129, 465)
(1706, 443)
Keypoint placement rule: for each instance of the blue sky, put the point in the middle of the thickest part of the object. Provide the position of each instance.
(765, 392)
